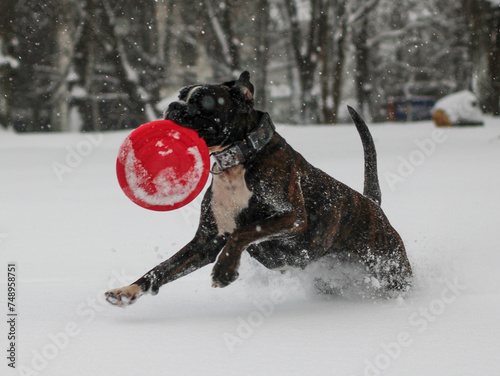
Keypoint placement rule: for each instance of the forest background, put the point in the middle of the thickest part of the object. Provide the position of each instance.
(94, 65)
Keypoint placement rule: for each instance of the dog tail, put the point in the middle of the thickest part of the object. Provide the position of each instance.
(372, 187)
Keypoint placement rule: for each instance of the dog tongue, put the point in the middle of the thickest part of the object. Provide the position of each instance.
(162, 166)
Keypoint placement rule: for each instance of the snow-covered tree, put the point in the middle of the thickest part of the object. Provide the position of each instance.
(8, 63)
(421, 52)
(484, 23)
(111, 61)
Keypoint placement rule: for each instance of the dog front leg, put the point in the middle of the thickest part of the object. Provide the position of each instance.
(282, 225)
(196, 254)
(225, 270)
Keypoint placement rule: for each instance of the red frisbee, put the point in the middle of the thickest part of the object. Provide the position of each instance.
(162, 166)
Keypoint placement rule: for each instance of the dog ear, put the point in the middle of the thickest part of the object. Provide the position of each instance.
(243, 91)
(244, 84)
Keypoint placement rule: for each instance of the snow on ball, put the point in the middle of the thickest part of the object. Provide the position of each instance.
(162, 166)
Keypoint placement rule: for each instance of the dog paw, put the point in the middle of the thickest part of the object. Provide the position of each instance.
(224, 278)
(124, 296)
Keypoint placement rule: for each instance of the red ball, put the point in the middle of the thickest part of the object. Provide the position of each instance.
(162, 166)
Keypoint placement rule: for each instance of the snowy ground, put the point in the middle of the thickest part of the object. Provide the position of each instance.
(73, 234)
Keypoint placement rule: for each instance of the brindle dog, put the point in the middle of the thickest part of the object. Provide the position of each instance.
(267, 200)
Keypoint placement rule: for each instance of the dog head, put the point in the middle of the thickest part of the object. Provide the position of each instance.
(221, 114)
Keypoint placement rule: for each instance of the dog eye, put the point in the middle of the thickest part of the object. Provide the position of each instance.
(207, 102)
(221, 101)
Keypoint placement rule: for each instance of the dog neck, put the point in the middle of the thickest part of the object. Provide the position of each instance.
(241, 152)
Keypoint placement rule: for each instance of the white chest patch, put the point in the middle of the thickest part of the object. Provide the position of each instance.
(230, 197)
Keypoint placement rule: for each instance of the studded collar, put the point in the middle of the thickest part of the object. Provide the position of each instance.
(244, 151)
